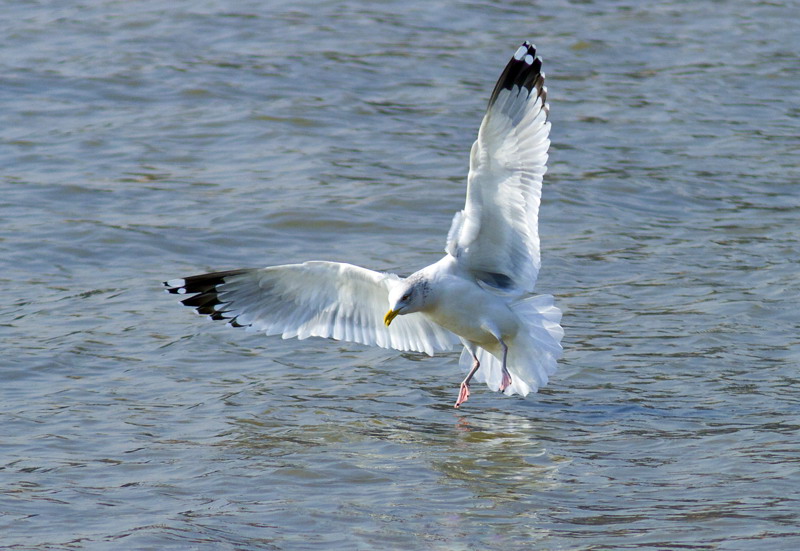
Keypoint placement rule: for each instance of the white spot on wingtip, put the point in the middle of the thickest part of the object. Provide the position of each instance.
(521, 51)
(529, 59)
(176, 282)
(182, 291)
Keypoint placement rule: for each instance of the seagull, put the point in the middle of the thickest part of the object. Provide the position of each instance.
(479, 295)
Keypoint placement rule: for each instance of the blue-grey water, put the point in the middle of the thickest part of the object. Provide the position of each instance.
(142, 141)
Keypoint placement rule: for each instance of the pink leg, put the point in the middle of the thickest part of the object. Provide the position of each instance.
(463, 394)
(506, 375)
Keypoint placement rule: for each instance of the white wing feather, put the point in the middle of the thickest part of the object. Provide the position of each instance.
(496, 236)
(314, 299)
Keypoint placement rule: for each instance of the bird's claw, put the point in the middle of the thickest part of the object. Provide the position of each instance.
(463, 395)
(506, 382)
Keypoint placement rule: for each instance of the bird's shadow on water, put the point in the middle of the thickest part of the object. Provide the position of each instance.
(495, 448)
(378, 412)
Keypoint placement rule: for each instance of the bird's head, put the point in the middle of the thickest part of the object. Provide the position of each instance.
(407, 296)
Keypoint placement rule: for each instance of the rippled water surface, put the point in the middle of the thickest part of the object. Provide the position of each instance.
(141, 141)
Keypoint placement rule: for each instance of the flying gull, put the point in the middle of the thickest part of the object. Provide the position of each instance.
(480, 294)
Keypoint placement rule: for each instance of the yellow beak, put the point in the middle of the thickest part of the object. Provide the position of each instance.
(390, 315)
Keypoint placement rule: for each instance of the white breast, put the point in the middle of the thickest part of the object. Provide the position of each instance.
(471, 312)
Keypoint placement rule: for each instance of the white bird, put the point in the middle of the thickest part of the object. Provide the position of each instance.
(480, 294)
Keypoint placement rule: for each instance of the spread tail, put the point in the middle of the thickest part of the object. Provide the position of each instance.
(532, 353)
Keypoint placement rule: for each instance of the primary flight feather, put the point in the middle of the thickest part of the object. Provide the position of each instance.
(480, 294)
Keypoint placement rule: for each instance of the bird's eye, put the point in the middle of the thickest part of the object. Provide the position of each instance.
(406, 296)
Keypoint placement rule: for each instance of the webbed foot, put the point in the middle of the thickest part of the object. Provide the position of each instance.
(463, 395)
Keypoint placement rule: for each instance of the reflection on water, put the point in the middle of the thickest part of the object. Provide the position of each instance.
(143, 143)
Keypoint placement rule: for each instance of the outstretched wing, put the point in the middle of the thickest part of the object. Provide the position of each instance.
(496, 236)
(313, 299)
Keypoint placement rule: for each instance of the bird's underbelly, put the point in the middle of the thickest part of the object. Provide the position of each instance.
(475, 315)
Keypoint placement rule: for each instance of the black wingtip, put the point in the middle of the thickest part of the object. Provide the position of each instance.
(524, 70)
(203, 293)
